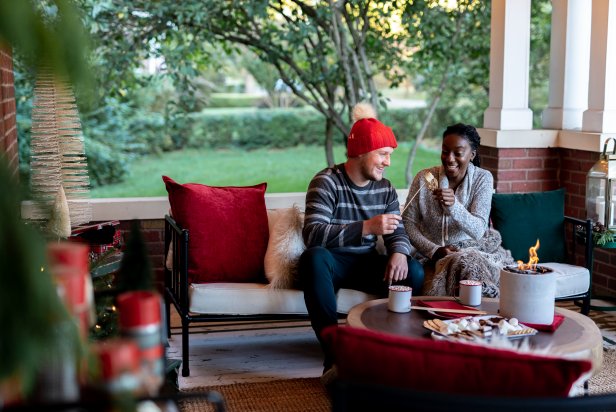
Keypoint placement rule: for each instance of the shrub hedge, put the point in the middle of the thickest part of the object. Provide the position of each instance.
(280, 128)
(234, 100)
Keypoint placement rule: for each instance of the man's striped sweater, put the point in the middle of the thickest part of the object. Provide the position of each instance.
(336, 209)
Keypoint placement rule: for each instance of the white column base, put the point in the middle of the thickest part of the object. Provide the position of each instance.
(600, 121)
(508, 119)
(559, 118)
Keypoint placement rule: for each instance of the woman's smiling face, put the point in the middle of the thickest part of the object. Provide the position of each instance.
(456, 154)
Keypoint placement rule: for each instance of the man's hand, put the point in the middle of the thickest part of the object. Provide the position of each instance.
(397, 268)
(444, 251)
(381, 225)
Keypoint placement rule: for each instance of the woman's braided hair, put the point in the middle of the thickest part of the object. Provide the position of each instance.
(470, 134)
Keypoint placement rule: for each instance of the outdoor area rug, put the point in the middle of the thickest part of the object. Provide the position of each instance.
(289, 395)
(605, 381)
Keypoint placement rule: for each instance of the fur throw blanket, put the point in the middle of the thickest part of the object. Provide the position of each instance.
(476, 260)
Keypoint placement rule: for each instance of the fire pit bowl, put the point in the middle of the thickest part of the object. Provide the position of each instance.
(528, 294)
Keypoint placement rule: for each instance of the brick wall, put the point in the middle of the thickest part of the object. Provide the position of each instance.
(8, 125)
(604, 272)
(522, 170)
(153, 232)
(575, 166)
(530, 170)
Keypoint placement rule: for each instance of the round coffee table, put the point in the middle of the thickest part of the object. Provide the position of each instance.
(577, 337)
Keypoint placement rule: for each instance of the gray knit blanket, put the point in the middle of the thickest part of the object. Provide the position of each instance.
(476, 260)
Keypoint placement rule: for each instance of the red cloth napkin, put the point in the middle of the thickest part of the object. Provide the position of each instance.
(558, 319)
(445, 304)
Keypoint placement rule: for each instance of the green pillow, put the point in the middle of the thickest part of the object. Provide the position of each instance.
(522, 218)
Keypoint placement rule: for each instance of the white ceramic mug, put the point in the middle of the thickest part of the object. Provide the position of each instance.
(399, 298)
(470, 292)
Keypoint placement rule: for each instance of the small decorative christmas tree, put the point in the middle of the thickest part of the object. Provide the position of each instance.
(59, 225)
(58, 156)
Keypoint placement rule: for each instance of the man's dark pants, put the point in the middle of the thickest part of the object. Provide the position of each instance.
(324, 271)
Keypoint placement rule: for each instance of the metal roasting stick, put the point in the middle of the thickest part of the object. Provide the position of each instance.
(468, 311)
(409, 202)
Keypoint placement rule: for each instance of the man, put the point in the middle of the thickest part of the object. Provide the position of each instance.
(347, 207)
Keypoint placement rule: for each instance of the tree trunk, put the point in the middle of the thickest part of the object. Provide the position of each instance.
(424, 127)
(329, 143)
(339, 38)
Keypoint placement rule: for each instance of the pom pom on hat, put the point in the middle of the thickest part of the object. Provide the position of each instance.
(367, 133)
(363, 111)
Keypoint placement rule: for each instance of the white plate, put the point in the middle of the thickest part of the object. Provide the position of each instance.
(483, 328)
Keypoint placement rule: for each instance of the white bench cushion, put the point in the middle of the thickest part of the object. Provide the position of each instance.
(257, 298)
(570, 280)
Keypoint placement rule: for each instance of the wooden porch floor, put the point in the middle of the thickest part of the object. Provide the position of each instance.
(223, 353)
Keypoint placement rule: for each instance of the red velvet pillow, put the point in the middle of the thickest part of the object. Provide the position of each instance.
(366, 356)
(228, 230)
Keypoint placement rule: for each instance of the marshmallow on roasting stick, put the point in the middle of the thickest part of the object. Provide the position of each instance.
(432, 183)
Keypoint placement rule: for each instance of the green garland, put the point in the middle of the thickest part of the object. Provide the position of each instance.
(601, 235)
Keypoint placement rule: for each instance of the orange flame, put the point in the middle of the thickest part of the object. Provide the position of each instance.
(533, 259)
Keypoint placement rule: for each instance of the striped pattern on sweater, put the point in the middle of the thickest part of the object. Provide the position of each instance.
(336, 209)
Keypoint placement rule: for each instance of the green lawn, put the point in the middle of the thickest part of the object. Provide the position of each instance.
(284, 170)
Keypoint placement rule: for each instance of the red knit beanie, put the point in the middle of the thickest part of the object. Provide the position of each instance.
(367, 133)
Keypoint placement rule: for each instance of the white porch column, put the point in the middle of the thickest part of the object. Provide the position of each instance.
(601, 114)
(509, 65)
(569, 65)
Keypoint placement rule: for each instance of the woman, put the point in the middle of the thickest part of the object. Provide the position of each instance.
(448, 225)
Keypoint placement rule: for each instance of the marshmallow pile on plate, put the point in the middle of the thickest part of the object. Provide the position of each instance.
(505, 326)
(479, 327)
(485, 325)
